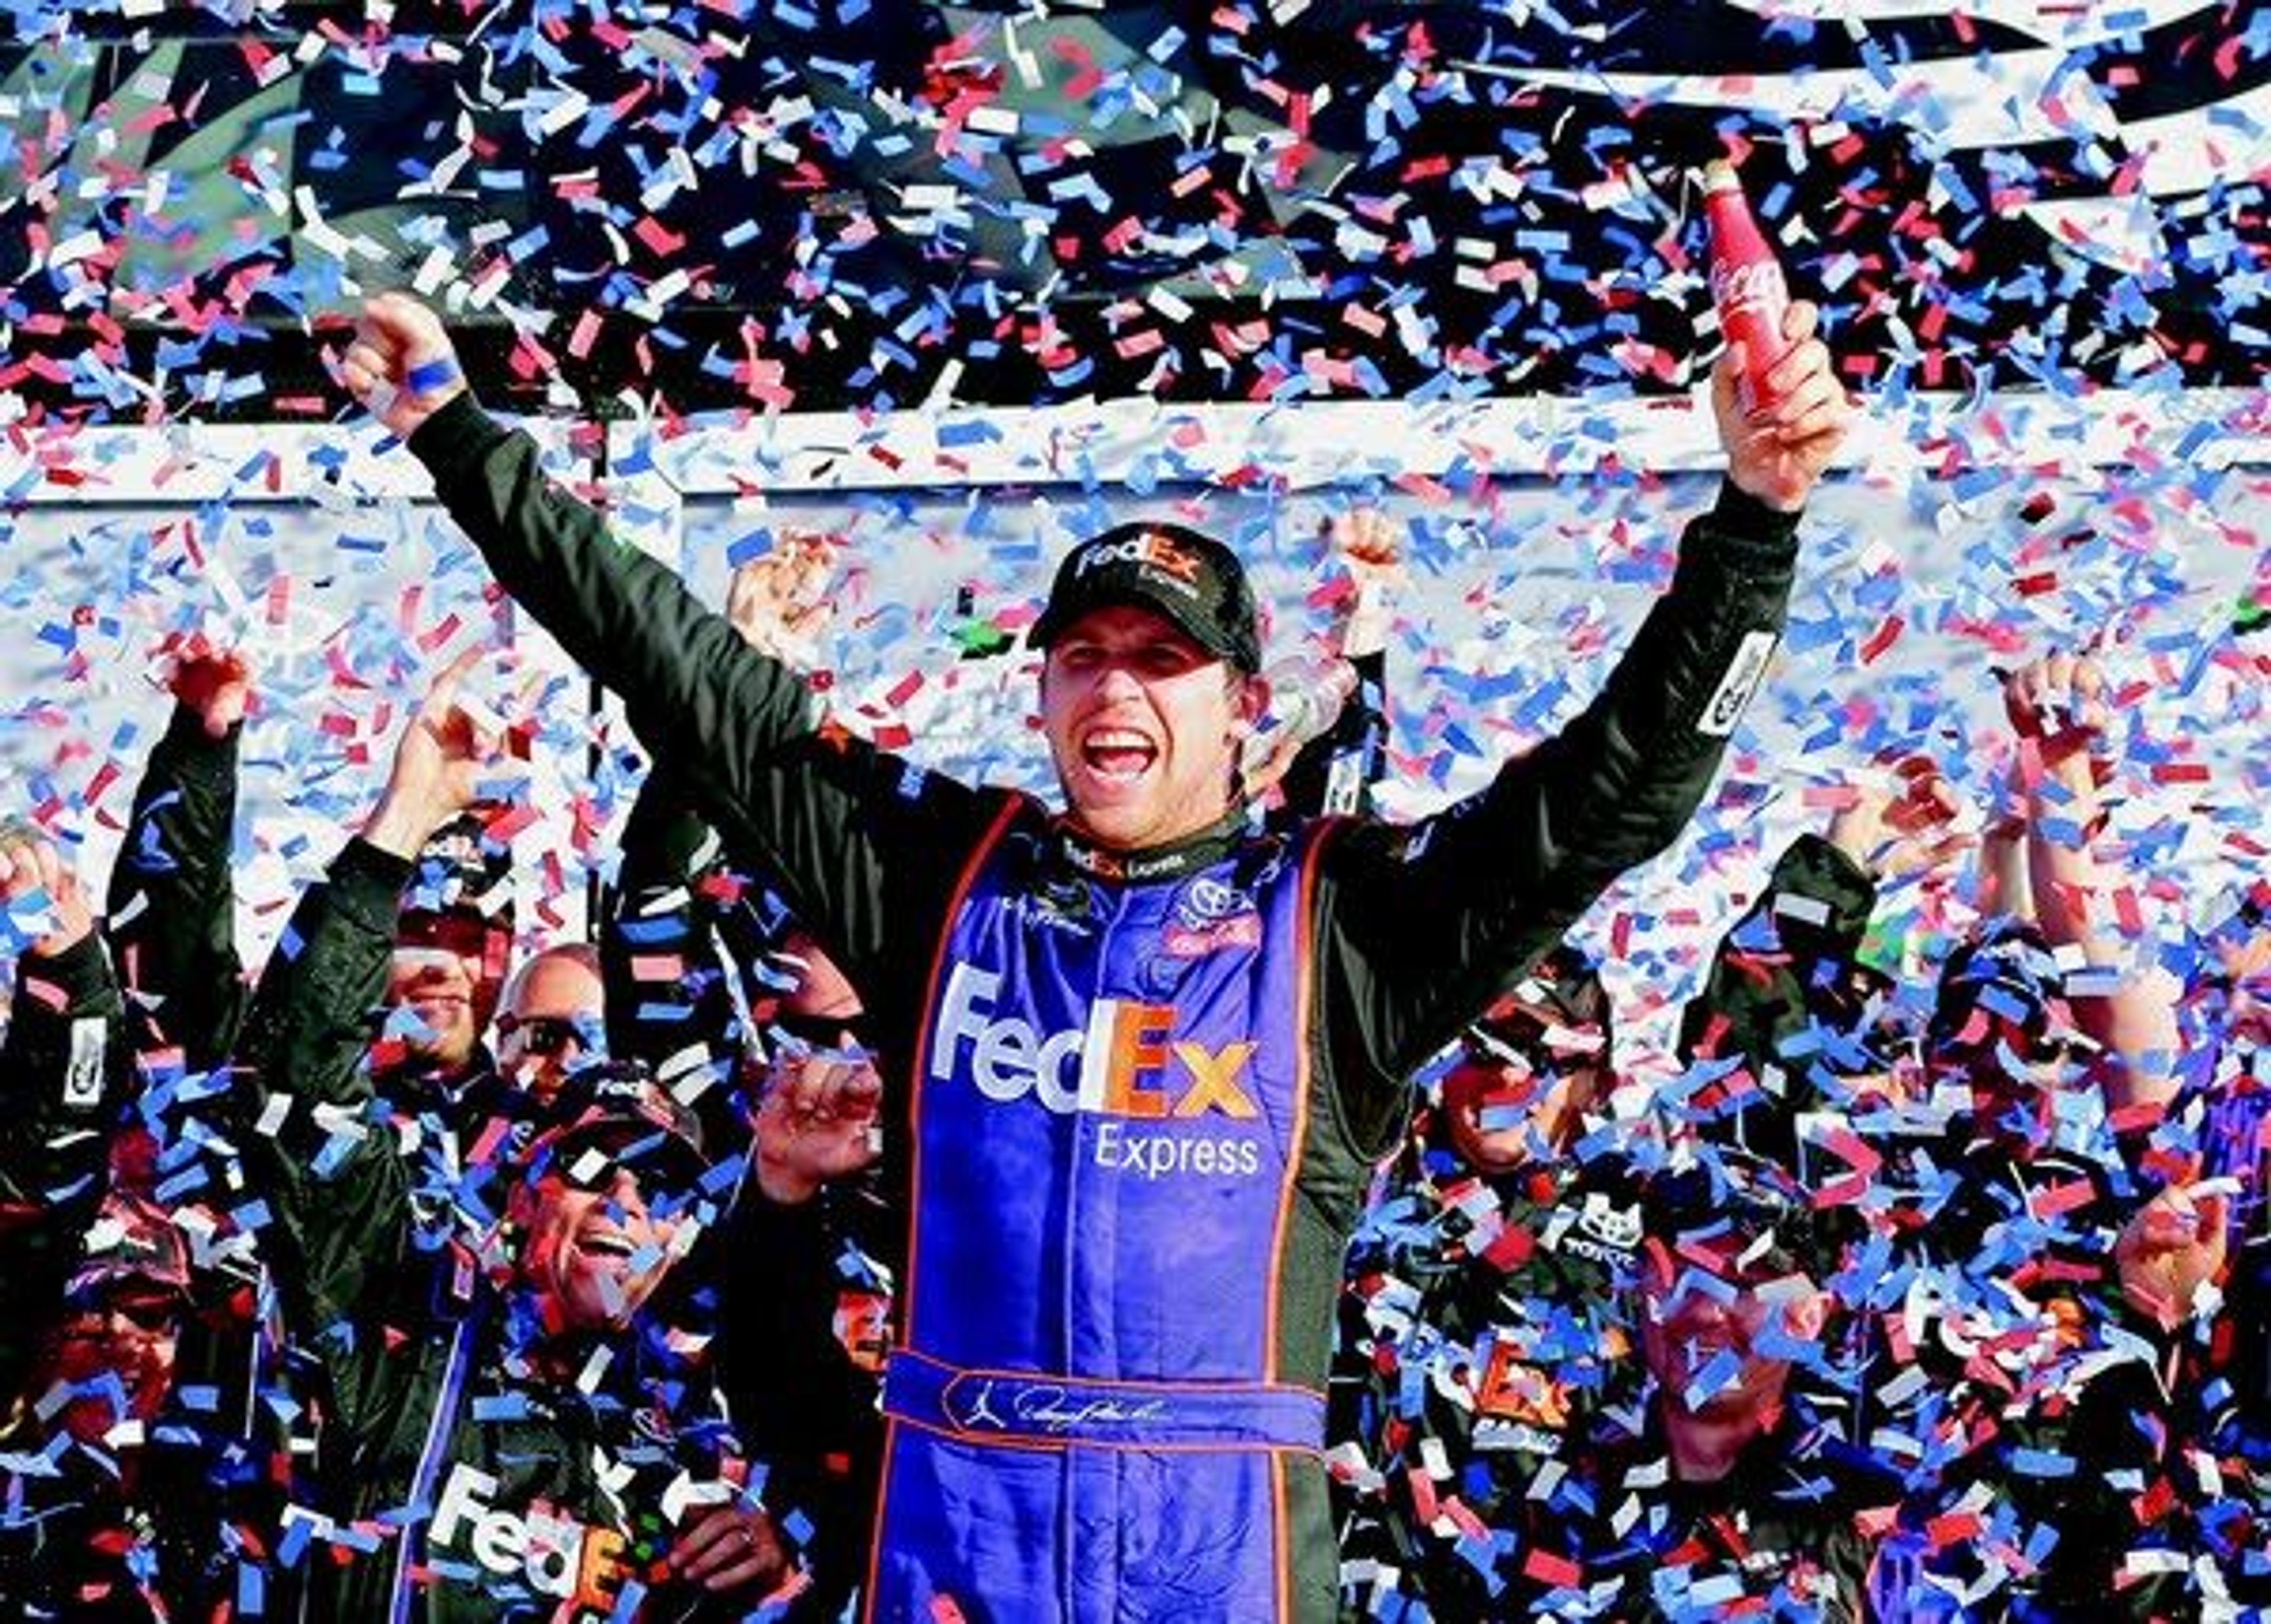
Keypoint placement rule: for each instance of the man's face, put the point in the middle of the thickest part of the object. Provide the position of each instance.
(1509, 1103)
(595, 1249)
(822, 1012)
(131, 1329)
(1144, 725)
(823, 994)
(550, 1024)
(826, 1063)
(443, 971)
(1684, 1333)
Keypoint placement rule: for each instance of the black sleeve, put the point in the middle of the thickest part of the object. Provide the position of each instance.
(64, 1070)
(171, 910)
(854, 835)
(1334, 773)
(801, 1401)
(1421, 927)
(675, 949)
(338, 1193)
(1788, 971)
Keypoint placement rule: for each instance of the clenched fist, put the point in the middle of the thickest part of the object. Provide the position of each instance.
(401, 366)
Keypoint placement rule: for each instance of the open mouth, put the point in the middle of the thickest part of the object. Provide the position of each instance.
(1117, 753)
(608, 1244)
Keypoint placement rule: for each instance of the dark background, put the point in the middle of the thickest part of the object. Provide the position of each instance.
(1295, 185)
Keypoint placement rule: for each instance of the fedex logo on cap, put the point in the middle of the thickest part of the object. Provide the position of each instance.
(1122, 1064)
(1151, 549)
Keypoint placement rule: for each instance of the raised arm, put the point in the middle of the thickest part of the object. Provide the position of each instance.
(2057, 708)
(171, 914)
(1786, 987)
(1430, 924)
(338, 1189)
(670, 984)
(688, 677)
(1333, 773)
(682, 945)
(850, 834)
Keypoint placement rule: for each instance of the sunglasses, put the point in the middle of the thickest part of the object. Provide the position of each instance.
(464, 935)
(549, 1035)
(662, 1163)
(818, 1032)
(139, 1306)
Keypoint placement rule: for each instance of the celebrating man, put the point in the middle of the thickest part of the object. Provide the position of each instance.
(1143, 1056)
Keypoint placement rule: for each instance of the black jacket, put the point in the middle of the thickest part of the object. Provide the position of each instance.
(440, 1423)
(171, 912)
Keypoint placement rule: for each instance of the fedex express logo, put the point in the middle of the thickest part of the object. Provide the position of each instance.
(1151, 550)
(1123, 1067)
(581, 1568)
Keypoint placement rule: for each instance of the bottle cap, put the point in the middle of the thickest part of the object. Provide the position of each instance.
(1719, 177)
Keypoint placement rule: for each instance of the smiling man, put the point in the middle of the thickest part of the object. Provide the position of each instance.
(1143, 1056)
(1152, 657)
(552, 1019)
(547, 1440)
(1737, 1495)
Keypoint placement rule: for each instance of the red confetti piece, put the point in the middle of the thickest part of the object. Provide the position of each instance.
(1886, 634)
(1548, 1568)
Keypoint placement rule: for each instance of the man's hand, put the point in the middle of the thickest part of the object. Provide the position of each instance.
(401, 366)
(1777, 453)
(2059, 700)
(212, 684)
(1894, 832)
(820, 1120)
(2176, 1244)
(780, 603)
(1261, 775)
(438, 764)
(726, 1548)
(30, 866)
(1370, 546)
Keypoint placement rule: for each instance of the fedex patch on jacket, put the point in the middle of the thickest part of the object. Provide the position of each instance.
(1124, 1065)
(554, 1554)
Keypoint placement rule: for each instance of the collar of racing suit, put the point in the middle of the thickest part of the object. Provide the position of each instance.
(1208, 845)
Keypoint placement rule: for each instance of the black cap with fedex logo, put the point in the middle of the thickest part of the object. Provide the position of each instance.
(619, 1106)
(1192, 580)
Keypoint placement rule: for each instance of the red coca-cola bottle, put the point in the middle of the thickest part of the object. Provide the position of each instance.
(1746, 282)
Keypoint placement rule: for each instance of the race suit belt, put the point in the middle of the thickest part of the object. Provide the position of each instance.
(1042, 1408)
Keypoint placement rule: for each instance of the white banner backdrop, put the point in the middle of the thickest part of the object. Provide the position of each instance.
(1956, 543)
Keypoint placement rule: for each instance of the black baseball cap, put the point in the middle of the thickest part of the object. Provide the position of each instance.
(461, 870)
(2011, 972)
(1191, 580)
(619, 1107)
(131, 1241)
